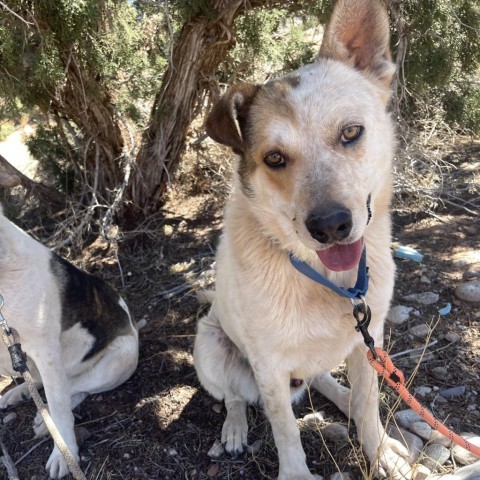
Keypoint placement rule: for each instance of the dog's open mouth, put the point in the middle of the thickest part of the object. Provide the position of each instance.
(340, 257)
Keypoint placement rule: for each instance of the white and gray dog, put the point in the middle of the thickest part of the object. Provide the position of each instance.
(76, 331)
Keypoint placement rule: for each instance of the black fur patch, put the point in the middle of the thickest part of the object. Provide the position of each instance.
(89, 301)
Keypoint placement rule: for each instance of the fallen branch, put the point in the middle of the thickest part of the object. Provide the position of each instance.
(11, 177)
(7, 460)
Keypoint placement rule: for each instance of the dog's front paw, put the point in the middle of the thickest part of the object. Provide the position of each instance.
(392, 461)
(14, 396)
(57, 466)
(235, 431)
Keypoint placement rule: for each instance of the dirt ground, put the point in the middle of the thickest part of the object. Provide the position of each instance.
(160, 424)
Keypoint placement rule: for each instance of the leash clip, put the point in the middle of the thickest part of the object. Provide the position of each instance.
(17, 355)
(363, 315)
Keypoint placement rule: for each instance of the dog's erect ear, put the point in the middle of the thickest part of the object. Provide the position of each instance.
(358, 34)
(226, 121)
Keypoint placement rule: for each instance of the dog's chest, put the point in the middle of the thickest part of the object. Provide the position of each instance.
(313, 339)
(309, 333)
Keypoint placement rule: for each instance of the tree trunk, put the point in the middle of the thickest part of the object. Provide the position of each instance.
(87, 102)
(202, 45)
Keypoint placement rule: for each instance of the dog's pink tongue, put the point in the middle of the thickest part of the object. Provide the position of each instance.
(341, 257)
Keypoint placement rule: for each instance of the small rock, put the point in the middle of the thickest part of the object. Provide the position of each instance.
(435, 455)
(416, 357)
(437, 437)
(413, 443)
(461, 262)
(420, 330)
(421, 472)
(213, 469)
(470, 472)
(423, 391)
(472, 272)
(469, 292)
(335, 432)
(424, 279)
(439, 373)
(217, 450)
(126, 456)
(172, 452)
(255, 447)
(452, 337)
(313, 420)
(399, 314)
(441, 400)
(405, 418)
(9, 417)
(217, 408)
(464, 456)
(422, 429)
(453, 392)
(425, 298)
(141, 323)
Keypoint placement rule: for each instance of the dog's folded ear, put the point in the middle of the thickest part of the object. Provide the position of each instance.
(227, 120)
(358, 34)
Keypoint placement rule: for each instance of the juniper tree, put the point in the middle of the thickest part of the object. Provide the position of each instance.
(121, 81)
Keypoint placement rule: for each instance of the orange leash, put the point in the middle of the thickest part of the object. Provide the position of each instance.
(395, 378)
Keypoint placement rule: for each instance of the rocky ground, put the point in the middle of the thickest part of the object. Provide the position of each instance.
(161, 425)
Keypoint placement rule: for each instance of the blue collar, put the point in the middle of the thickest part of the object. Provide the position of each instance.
(356, 292)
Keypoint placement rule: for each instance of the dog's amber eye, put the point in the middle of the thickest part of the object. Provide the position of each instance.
(274, 160)
(351, 133)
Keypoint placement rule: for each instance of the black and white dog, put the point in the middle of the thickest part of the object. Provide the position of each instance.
(76, 331)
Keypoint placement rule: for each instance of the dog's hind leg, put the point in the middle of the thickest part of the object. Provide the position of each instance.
(336, 393)
(226, 374)
(106, 371)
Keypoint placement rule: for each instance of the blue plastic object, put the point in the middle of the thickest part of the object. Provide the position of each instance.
(445, 310)
(408, 253)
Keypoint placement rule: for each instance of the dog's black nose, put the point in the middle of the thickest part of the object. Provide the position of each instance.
(329, 223)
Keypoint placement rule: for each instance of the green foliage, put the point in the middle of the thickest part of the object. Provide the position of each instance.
(269, 42)
(443, 55)
(101, 38)
(7, 127)
(297, 51)
(191, 8)
(444, 40)
(48, 147)
(462, 107)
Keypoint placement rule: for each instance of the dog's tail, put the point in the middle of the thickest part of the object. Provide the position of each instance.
(206, 296)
